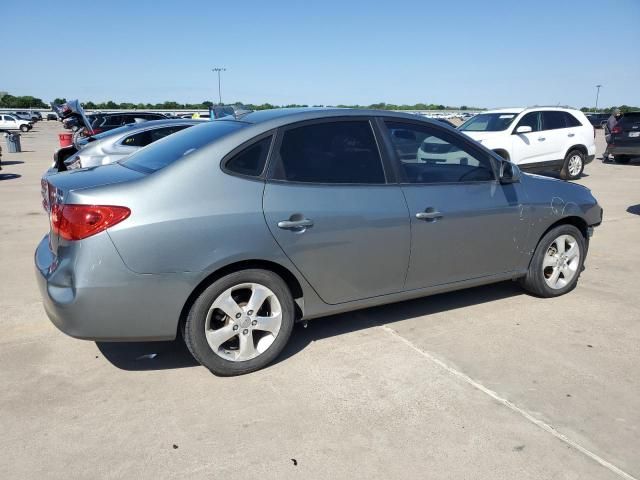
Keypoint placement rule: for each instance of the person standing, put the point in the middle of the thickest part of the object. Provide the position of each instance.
(608, 128)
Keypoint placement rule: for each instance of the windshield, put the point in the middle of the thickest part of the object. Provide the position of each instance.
(488, 122)
(174, 147)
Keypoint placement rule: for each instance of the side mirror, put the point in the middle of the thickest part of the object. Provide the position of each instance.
(509, 173)
(524, 129)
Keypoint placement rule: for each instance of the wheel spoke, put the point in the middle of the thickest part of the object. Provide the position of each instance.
(549, 261)
(247, 348)
(560, 244)
(269, 324)
(227, 304)
(258, 295)
(216, 338)
(573, 251)
(553, 279)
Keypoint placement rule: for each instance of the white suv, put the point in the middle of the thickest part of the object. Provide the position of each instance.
(11, 122)
(537, 139)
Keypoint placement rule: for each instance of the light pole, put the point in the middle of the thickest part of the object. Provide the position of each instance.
(219, 69)
(597, 95)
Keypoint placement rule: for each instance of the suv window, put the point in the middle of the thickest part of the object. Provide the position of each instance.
(251, 160)
(531, 119)
(570, 120)
(142, 139)
(553, 120)
(427, 155)
(330, 152)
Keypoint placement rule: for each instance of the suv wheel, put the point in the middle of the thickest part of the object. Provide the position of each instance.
(24, 128)
(240, 323)
(621, 159)
(573, 165)
(556, 263)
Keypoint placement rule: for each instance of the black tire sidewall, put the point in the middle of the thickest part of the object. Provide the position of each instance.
(535, 275)
(194, 326)
(565, 169)
(24, 129)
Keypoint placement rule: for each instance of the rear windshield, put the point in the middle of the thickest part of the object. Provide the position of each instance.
(174, 147)
(488, 122)
(630, 118)
(115, 131)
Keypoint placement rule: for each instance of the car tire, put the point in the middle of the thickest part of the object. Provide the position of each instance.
(554, 270)
(573, 165)
(24, 128)
(242, 333)
(621, 159)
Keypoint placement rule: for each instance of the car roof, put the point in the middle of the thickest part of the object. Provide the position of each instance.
(519, 110)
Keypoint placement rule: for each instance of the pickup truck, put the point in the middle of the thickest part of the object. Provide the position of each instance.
(11, 122)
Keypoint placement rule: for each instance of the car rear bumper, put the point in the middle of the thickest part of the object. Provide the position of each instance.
(631, 150)
(91, 295)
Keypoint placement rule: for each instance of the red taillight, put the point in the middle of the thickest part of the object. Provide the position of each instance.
(616, 129)
(75, 222)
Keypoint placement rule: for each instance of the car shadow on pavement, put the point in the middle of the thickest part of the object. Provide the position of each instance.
(395, 312)
(8, 176)
(635, 209)
(11, 162)
(147, 355)
(141, 356)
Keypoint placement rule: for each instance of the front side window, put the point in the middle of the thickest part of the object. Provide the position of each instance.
(553, 120)
(431, 156)
(251, 160)
(331, 152)
(488, 122)
(531, 119)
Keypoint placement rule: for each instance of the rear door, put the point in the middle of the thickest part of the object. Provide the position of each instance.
(331, 210)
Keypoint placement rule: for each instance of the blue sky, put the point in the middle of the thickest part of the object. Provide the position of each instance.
(484, 53)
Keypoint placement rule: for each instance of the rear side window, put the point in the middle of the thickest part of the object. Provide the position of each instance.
(251, 160)
(570, 120)
(169, 150)
(553, 120)
(332, 152)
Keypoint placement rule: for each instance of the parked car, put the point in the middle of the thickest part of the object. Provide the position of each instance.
(11, 122)
(109, 121)
(74, 122)
(52, 116)
(28, 115)
(537, 139)
(598, 120)
(625, 138)
(114, 145)
(231, 231)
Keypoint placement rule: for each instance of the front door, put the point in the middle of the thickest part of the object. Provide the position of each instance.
(330, 209)
(534, 147)
(464, 223)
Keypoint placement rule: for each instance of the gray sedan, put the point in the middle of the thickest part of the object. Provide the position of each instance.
(229, 232)
(114, 145)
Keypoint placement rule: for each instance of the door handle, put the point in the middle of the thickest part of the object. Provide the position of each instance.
(541, 139)
(295, 224)
(432, 215)
(572, 135)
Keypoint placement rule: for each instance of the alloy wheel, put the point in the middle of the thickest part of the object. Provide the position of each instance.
(561, 262)
(575, 165)
(243, 322)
